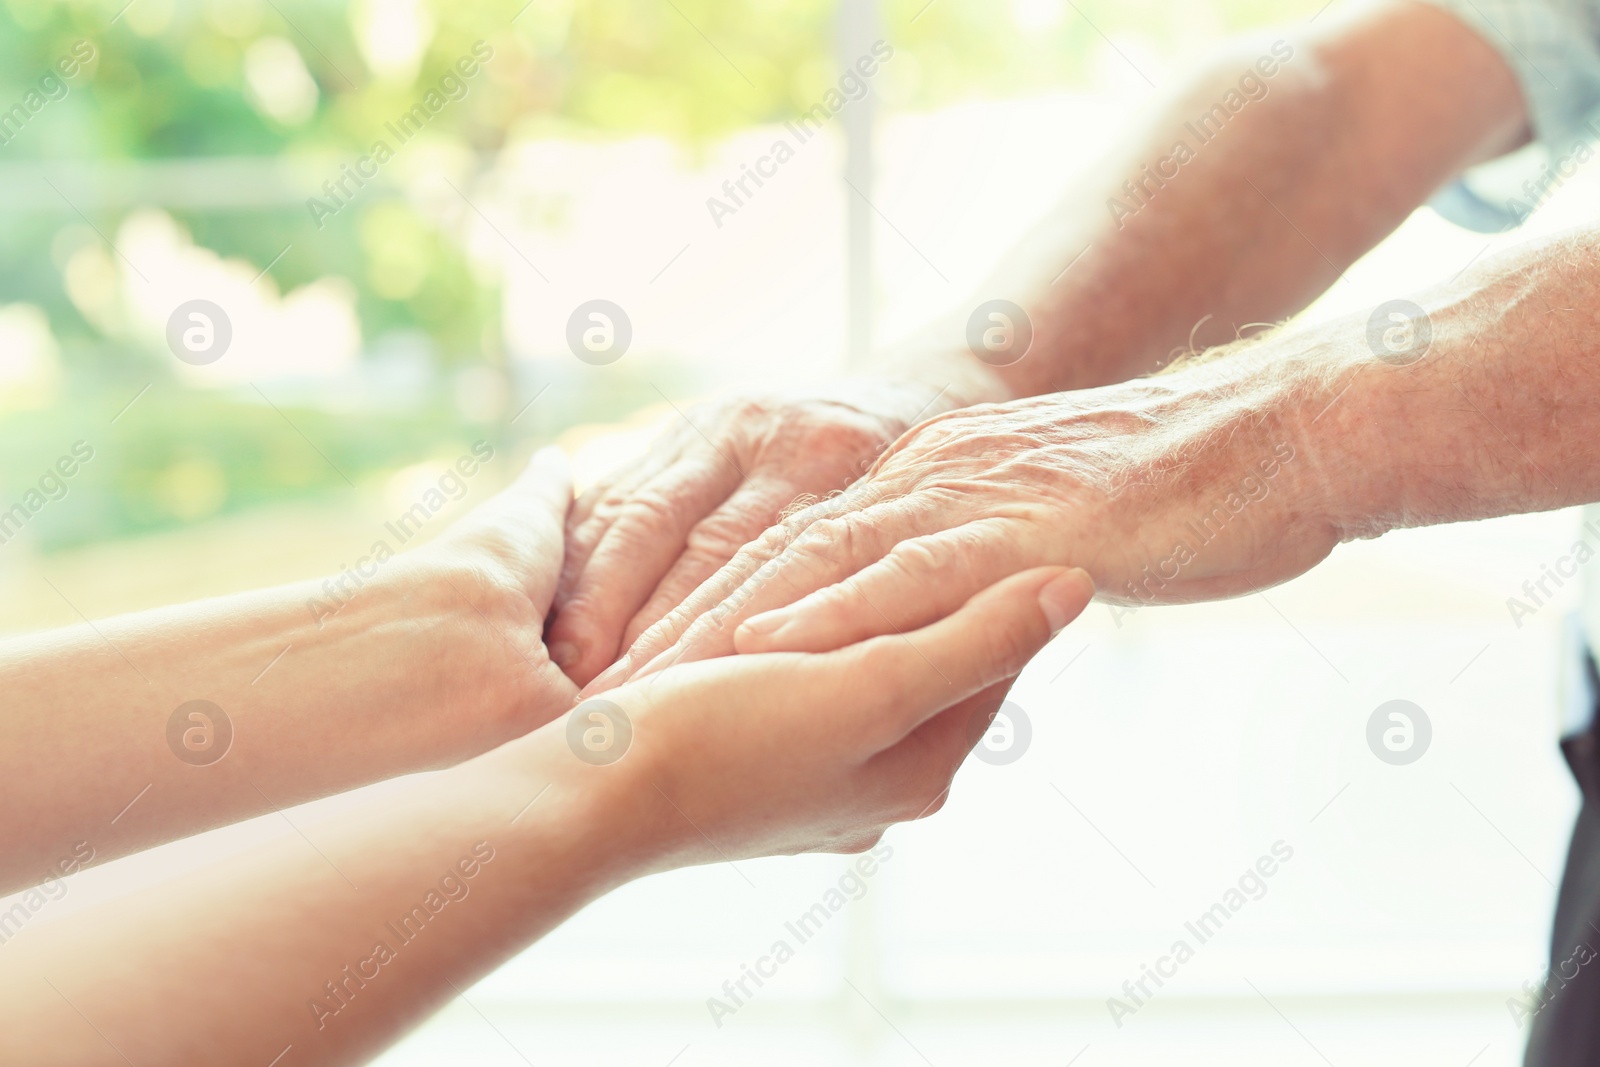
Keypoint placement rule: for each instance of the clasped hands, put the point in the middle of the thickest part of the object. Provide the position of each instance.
(793, 676)
(1192, 485)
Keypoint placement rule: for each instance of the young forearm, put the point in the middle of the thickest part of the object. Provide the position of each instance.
(338, 941)
(1190, 233)
(335, 947)
(300, 703)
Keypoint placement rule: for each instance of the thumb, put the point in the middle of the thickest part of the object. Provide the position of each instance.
(523, 526)
(535, 499)
(991, 638)
(546, 481)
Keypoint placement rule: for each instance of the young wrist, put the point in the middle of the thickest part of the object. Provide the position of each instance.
(459, 674)
(606, 820)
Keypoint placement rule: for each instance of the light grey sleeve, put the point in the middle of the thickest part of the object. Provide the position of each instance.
(1553, 48)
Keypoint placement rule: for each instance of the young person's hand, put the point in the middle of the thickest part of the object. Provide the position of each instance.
(503, 561)
(817, 752)
(140, 729)
(393, 911)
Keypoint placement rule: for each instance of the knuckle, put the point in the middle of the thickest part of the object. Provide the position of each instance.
(751, 556)
(828, 535)
(839, 437)
(610, 504)
(714, 540)
(648, 509)
(775, 538)
(865, 843)
(916, 559)
(839, 537)
(587, 533)
(737, 521)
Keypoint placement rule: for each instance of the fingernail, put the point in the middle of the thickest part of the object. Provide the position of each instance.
(765, 623)
(564, 654)
(1060, 598)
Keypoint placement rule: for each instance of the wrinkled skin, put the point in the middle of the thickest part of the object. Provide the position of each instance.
(1112, 480)
(643, 539)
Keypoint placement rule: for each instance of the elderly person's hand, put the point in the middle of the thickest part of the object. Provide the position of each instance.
(1196, 484)
(643, 539)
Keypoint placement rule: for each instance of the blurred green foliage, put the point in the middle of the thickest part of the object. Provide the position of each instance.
(297, 79)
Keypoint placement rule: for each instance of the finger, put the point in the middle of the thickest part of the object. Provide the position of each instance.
(661, 636)
(912, 779)
(522, 524)
(593, 512)
(900, 682)
(647, 535)
(543, 490)
(826, 551)
(708, 598)
(920, 581)
(753, 508)
(826, 541)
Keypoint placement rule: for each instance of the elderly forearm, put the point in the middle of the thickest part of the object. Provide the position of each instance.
(1244, 196)
(1501, 415)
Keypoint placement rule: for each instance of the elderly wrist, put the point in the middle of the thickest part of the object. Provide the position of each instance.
(1325, 411)
(1285, 406)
